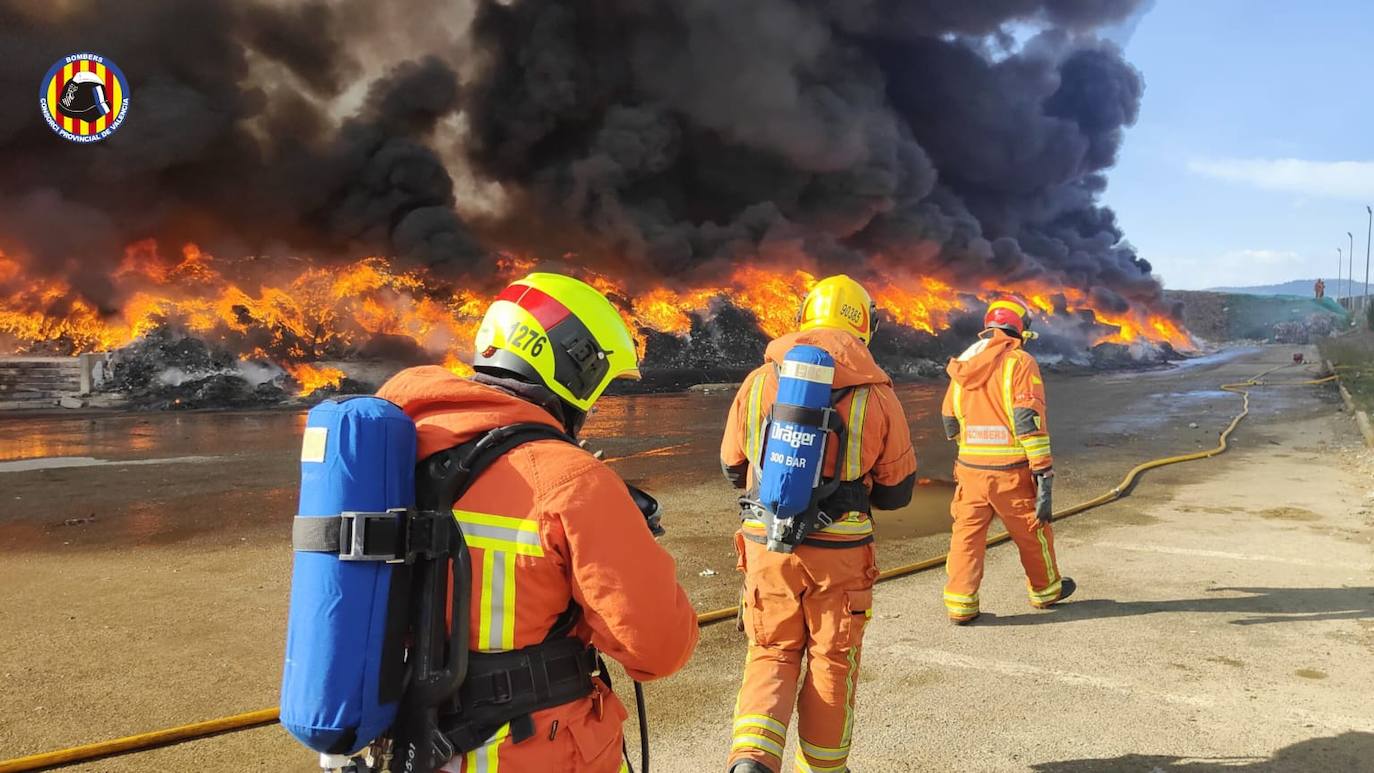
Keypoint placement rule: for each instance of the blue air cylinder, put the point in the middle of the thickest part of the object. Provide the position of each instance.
(343, 674)
(790, 465)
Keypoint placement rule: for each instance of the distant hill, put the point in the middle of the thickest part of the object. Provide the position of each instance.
(1299, 287)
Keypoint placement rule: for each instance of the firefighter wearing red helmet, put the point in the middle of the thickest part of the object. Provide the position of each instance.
(995, 410)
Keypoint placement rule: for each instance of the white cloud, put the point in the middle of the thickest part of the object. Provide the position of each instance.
(1331, 179)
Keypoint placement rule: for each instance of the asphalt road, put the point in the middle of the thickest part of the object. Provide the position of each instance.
(148, 563)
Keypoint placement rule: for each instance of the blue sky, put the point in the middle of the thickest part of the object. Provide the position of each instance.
(1252, 156)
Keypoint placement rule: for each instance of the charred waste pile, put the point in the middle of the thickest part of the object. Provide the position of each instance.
(367, 179)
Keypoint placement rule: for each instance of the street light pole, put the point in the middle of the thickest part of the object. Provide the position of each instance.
(1369, 231)
(1350, 275)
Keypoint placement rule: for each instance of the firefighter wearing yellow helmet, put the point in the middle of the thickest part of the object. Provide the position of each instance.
(839, 303)
(813, 603)
(561, 559)
(556, 331)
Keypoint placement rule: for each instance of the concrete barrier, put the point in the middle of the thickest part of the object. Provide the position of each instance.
(39, 382)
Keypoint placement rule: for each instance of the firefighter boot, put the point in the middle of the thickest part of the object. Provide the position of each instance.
(1068, 586)
(748, 766)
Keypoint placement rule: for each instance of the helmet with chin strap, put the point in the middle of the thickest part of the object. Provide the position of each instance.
(560, 332)
(1009, 314)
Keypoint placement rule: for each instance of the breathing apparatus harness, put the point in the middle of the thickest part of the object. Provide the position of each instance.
(455, 699)
(830, 497)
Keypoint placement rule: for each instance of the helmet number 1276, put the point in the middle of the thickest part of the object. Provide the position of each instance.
(522, 337)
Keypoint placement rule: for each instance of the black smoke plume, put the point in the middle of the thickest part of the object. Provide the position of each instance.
(656, 138)
(229, 139)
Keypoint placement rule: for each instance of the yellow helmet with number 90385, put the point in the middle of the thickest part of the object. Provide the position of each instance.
(840, 303)
(560, 332)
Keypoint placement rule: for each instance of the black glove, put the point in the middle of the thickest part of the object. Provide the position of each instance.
(649, 507)
(1044, 502)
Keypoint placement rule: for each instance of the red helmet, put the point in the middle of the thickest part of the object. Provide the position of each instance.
(1010, 314)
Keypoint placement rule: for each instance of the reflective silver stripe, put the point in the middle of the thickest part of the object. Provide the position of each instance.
(805, 371)
(503, 539)
(500, 532)
(498, 611)
(487, 757)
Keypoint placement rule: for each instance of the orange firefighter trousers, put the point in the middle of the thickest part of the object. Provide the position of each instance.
(815, 601)
(1011, 495)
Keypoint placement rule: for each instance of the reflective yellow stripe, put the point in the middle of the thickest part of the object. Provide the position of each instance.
(763, 722)
(469, 517)
(508, 602)
(1014, 308)
(760, 742)
(805, 767)
(961, 605)
(849, 528)
(850, 681)
(858, 413)
(956, 397)
(822, 752)
(500, 532)
(754, 445)
(487, 757)
(1050, 569)
(991, 450)
(484, 600)
(496, 603)
(846, 528)
(1008, 399)
(1037, 447)
(1048, 594)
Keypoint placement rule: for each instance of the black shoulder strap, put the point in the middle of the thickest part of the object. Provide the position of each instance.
(836, 395)
(443, 477)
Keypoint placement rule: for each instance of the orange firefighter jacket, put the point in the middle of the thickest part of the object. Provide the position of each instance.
(995, 406)
(548, 524)
(878, 451)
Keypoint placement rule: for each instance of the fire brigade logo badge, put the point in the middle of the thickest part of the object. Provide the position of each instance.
(84, 97)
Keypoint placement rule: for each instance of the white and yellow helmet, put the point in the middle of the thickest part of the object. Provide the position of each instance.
(557, 331)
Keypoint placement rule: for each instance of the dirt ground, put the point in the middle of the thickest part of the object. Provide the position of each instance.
(1225, 615)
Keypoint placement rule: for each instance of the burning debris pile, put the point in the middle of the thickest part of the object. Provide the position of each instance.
(701, 161)
(164, 370)
(168, 369)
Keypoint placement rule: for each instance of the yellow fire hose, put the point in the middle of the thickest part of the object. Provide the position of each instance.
(252, 719)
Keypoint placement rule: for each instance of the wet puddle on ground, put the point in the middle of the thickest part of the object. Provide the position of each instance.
(61, 462)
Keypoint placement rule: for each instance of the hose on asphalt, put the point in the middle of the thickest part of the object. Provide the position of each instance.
(191, 732)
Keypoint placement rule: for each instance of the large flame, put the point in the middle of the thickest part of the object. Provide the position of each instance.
(301, 312)
(315, 377)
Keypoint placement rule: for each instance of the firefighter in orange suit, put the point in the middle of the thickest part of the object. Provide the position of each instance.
(818, 599)
(557, 543)
(995, 409)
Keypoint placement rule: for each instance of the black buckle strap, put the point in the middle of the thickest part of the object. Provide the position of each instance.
(504, 687)
(399, 534)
